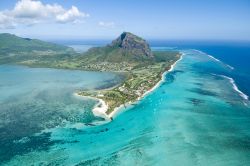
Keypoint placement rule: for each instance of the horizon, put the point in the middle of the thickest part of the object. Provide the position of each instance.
(109, 39)
(92, 19)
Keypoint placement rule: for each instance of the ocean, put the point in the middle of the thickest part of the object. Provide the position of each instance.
(199, 115)
(234, 54)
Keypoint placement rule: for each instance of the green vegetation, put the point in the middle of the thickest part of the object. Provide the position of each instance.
(15, 49)
(131, 54)
(128, 54)
(139, 80)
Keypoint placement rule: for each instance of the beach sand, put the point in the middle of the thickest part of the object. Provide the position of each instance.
(101, 107)
(118, 109)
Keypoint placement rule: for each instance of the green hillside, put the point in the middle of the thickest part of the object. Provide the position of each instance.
(17, 49)
(126, 48)
(131, 55)
(126, 52)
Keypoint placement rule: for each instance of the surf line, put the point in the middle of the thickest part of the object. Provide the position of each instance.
(215, 59)
(235, 87)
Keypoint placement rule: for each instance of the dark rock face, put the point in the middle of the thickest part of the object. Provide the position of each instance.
(132, 44)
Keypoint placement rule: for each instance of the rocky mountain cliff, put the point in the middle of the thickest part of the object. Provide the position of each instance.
(127, 48)
(133, 44)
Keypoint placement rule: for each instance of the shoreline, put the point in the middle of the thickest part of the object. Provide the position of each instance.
(118, 109)
(101, 107)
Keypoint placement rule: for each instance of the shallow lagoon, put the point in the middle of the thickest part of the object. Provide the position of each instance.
(195, 117)
(33, 99)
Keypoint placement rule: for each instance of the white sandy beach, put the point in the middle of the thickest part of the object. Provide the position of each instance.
(101, 107)
(118, 109)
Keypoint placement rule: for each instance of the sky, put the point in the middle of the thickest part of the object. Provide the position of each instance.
(106, 19)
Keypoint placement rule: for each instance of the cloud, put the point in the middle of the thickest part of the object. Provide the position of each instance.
(6, 21)
(106, 24)
(70, 15)
(29, 12)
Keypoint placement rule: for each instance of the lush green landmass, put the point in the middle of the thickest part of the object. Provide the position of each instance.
(15, 49)
(128, 54)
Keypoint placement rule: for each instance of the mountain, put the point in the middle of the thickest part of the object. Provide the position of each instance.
(132, 44)
(130, 55)
(14, 48)
(125, 53)
(126, 48)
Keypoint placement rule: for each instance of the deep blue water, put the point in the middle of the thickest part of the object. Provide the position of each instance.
(233, 53)
(237, 56)
(195, 117)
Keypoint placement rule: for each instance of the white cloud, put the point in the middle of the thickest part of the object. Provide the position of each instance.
(29, 12)
(6, 21)
(70, 15)
(107, 24)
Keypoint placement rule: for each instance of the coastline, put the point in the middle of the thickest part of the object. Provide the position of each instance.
(101, 107)
(118, 109)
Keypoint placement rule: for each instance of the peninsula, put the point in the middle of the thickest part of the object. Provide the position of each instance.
(131, 55)
(128, 55)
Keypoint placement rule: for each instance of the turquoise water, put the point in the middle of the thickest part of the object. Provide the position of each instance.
(195, 117)
(33, 99)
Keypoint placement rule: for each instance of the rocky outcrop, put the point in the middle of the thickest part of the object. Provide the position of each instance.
(132, 44)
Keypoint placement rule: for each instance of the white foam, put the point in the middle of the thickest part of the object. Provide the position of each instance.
(227, 65)
(198, 51)
(201, 52)
(231, 67)
(215, 59)
(244, 96)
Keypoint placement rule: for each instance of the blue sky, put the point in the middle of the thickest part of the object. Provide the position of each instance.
(152, 19)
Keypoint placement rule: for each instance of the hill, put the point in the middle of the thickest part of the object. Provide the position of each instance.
(16, 49)
(126, 52)
(126, 48)
(132, 55)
